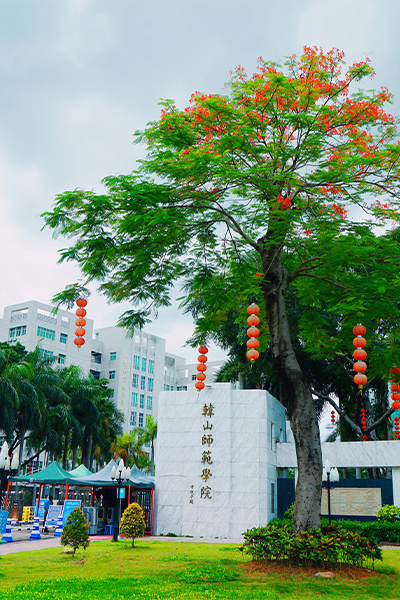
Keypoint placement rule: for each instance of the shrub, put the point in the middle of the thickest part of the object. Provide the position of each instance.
(375, 531)
(327, 545)
(288, 514)
(75, 531)
(389, 514)
(132, 522)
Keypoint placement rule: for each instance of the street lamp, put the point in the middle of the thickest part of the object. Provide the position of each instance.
(330, 475)
(6, 466)
(119, 474)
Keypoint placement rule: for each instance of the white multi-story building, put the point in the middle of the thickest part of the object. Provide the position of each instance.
(138, 367)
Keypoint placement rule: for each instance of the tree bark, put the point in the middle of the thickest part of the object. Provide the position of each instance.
(299, 401)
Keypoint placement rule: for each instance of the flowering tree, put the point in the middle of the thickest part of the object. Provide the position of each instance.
(259, 180)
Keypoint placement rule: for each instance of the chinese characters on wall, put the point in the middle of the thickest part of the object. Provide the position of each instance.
(206, 461)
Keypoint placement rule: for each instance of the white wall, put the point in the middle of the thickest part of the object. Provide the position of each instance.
(243, 456)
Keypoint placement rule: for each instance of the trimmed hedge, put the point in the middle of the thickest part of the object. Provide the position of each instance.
(325, 546)
(375, 531)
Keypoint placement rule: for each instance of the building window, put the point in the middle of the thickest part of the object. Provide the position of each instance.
(61, 359)
(142, 382)
(172, 388)
(136, 362)
(134, 399)
(151, 366)
(45, 353)
(140, 419)
(144, 364)
(149, 402)
(135, 380)
(133, 419)
(272, 498)
(111, 374)
(150, 382)
(43, 332)
(141, 405)
(17, 331)
(113, 356)
(194, 377)
(63, 338)
(112, 392)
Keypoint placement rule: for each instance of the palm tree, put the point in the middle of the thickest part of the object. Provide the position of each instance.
(149, 435)
(130, 447)
(109, 425)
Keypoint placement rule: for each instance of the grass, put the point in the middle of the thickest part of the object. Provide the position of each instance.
(178, 571)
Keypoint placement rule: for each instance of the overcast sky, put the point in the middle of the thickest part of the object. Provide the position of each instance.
(78, 77)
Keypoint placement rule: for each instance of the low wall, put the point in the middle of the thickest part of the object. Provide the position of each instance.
(352, 455)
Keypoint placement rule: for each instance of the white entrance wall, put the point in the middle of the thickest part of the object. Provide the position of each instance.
(216, 462)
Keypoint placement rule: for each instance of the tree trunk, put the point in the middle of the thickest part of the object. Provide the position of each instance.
(65, 453)
(87, 454)
(74, 453)
(21, 448)
(299, 401)
(152, 457)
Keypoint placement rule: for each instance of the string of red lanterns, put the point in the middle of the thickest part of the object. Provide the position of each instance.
(253, 333)
(364, 423)
(359, 355)
(397, 427)
(333, 419)
(80, 322)
(201, 367)
(395, 389)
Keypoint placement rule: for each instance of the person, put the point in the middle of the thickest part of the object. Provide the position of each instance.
(46, 505)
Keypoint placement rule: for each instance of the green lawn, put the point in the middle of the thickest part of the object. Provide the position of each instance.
(153, 570)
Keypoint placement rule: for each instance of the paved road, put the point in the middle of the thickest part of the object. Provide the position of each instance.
(52, 542)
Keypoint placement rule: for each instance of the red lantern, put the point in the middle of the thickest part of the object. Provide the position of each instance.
(253, 332)
(360, 366)
(81, 302)
(359, 354)
(199, 385)
(79, 341)
(395, 370)
(252, 354)
(360, 379)
(80, 312)
(359, 330)
(80, 332)
(363, 411)
(395, 387)
(359, 342)
(253, 309)
(395, 396)
(253, 320)
(365, 438)
(80, 322)
(252, 343)
(396, 405)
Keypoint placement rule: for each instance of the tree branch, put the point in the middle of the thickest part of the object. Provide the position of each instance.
(339, 411)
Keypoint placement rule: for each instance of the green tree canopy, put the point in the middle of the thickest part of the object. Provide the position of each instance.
(293, 174)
